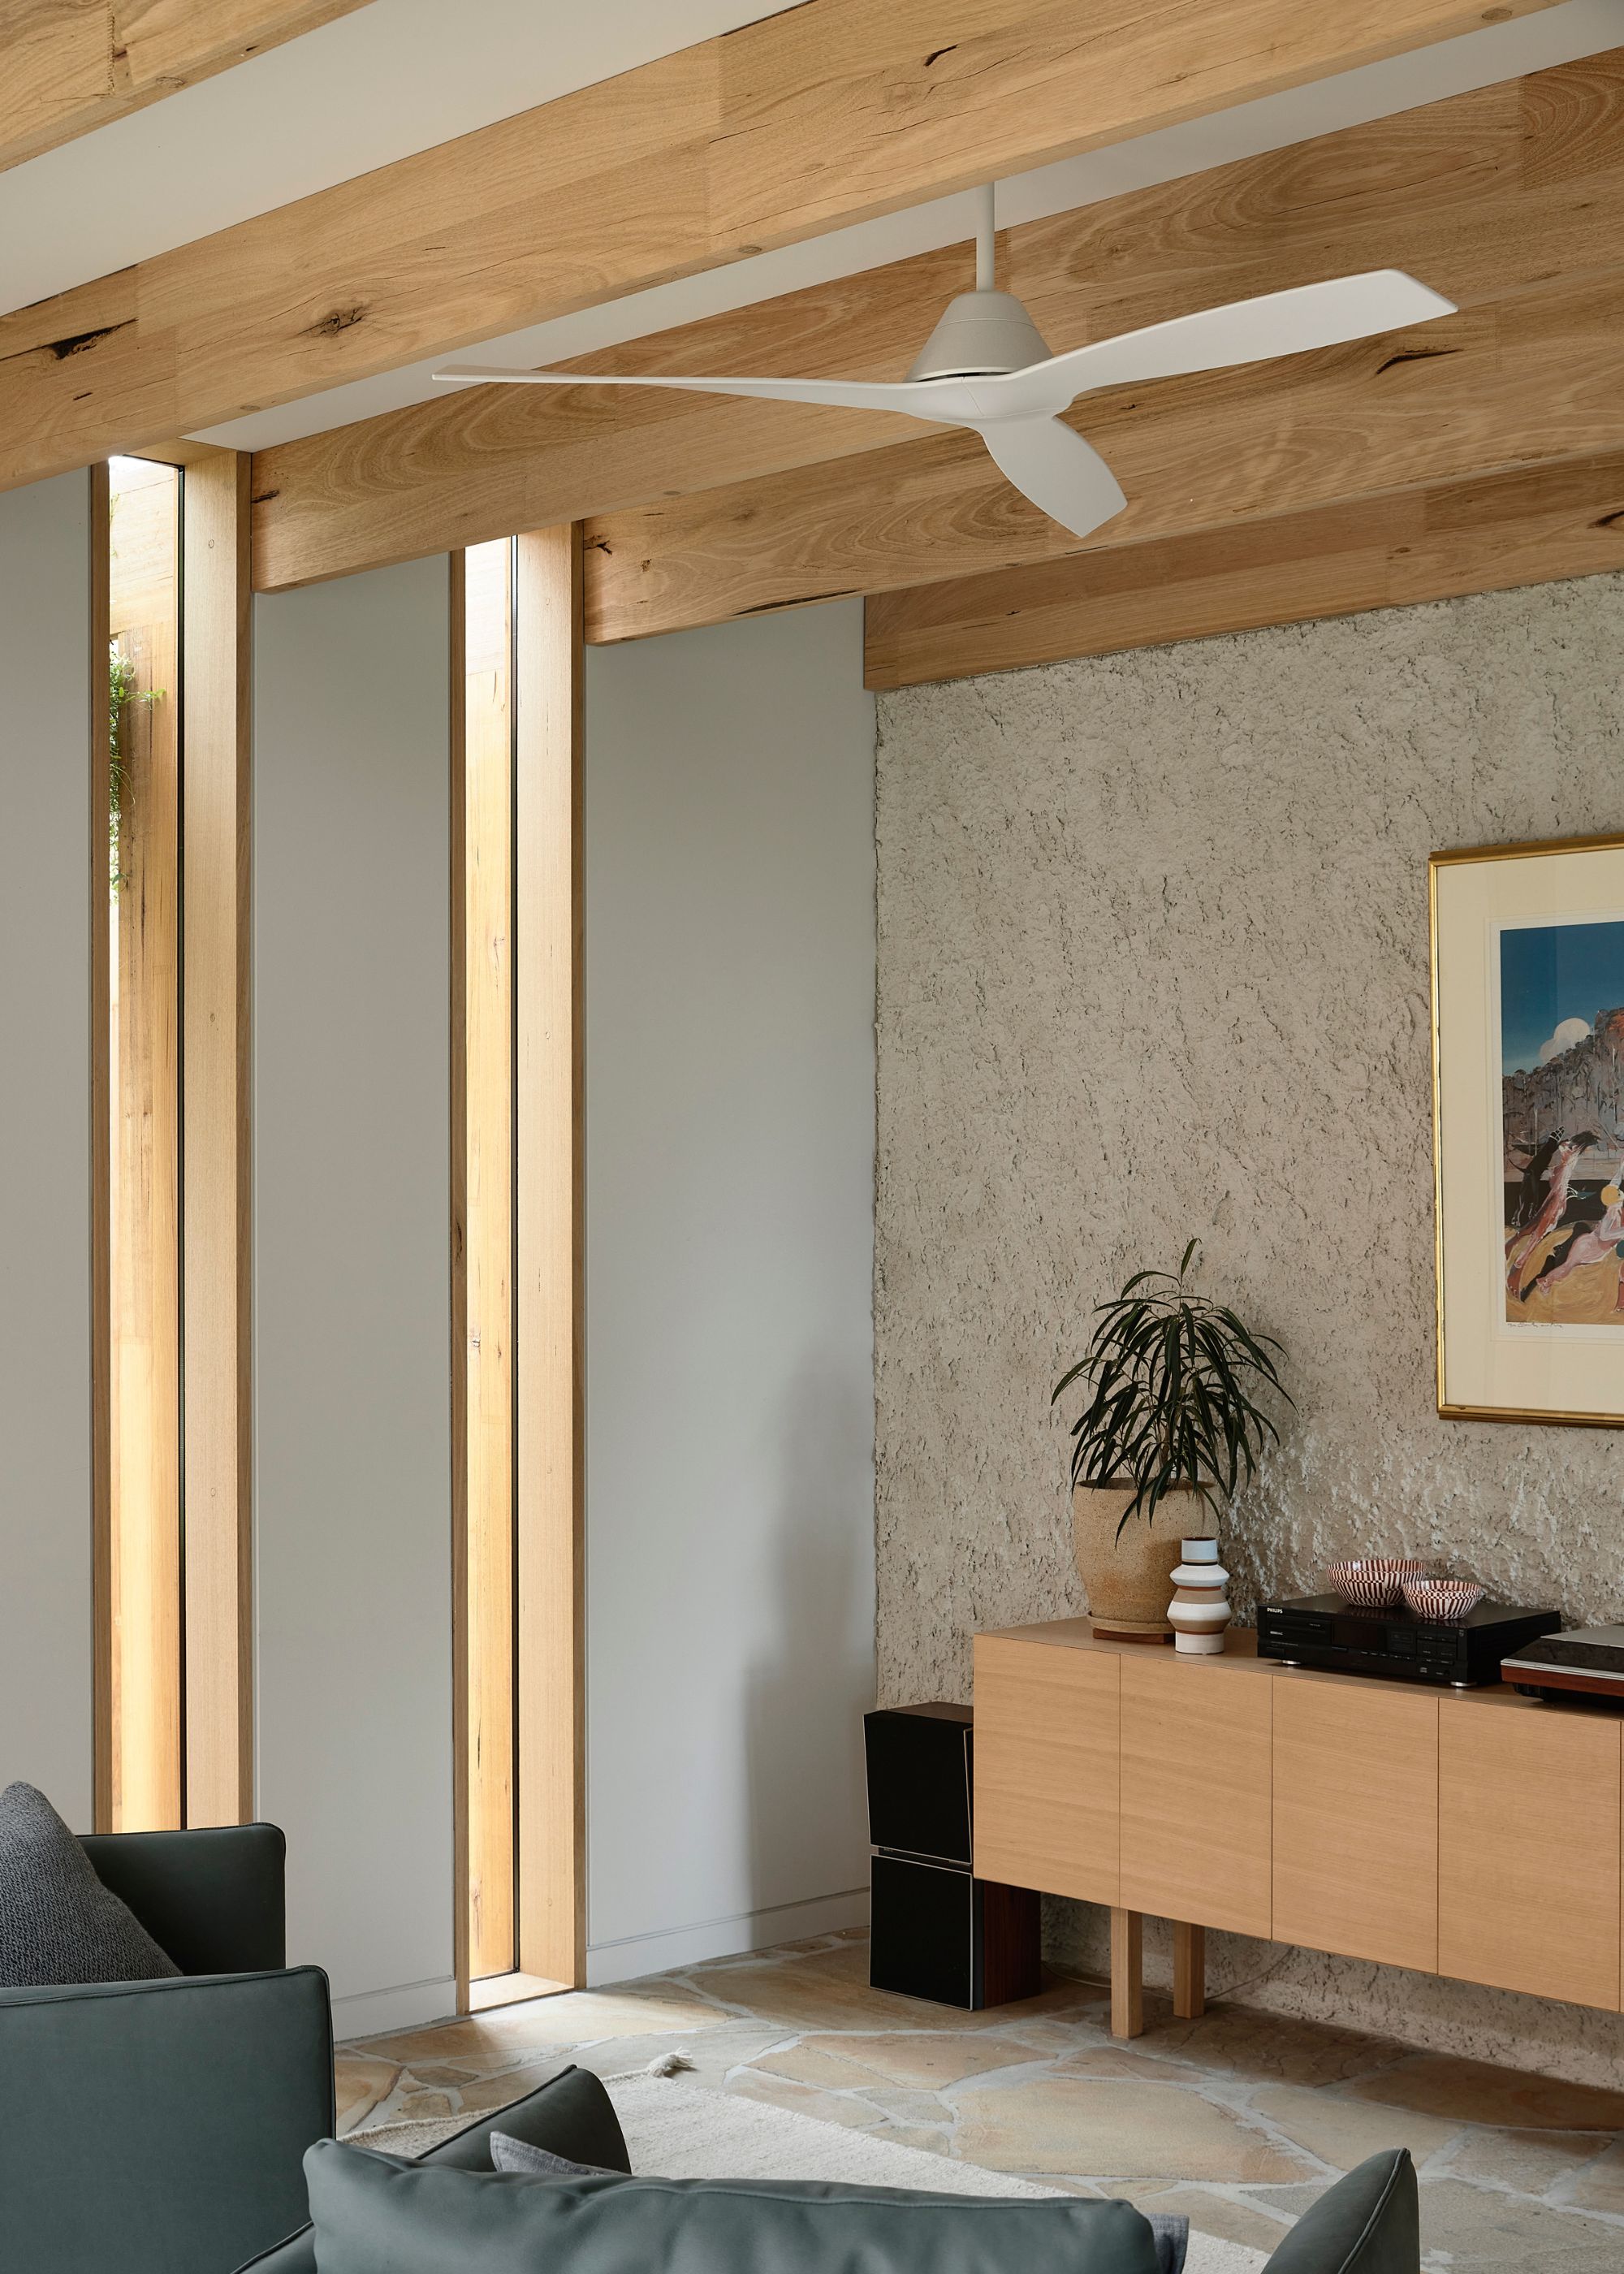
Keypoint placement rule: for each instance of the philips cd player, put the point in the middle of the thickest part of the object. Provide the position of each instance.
(1325, 1632)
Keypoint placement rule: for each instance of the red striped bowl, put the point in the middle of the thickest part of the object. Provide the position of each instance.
(1374, 1583)
(1446, 1600)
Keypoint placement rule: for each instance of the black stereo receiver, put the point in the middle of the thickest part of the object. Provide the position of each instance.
(1337, 1637)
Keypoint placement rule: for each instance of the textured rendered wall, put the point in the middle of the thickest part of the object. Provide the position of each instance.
(1152, 961)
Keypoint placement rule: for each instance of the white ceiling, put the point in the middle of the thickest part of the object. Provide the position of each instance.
(401, 75)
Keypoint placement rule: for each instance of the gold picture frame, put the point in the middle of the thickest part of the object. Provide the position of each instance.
(1528, 1328)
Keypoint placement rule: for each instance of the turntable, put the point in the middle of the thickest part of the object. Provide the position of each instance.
(1582, 1662)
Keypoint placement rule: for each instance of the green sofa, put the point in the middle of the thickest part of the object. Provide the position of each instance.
(157, 2127)
(183, 2126)
(378, 2214)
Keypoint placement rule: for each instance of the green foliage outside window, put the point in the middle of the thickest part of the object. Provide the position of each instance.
(122, 693)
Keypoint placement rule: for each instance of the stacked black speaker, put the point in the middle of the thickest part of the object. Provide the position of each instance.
(939, 1932)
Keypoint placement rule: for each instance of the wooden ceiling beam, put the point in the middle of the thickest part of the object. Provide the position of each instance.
(823, 116)
(72, 65)
(1529, 527)
(1531, 381)
(1482, 194)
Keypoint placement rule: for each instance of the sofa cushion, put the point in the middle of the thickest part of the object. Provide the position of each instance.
(59, 1926)
(378, 2215)
(571, 2114)
(1368, 2223)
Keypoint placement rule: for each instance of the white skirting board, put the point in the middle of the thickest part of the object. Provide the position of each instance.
(369, 2013)
(723, 1937)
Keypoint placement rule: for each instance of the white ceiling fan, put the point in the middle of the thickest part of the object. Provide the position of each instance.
(986, 367)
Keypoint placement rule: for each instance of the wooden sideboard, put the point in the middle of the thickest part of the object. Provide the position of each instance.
(1473, 1833)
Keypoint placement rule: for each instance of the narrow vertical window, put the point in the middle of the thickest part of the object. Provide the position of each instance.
(143, 1642)
(516, 1277)
(171, 1177)
(487, 953)
(517, 1268)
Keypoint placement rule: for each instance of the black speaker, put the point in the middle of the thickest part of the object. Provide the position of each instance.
(920, 1766)
(939, 1932)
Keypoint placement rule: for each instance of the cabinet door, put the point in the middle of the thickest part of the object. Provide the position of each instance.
(1527, 1848)
(1356, 1820)
(1047, 1725)
(1195, 1791)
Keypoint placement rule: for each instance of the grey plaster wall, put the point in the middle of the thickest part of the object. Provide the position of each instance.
(1153, 962)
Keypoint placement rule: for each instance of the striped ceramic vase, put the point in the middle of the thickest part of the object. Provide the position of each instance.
(1199, 1611)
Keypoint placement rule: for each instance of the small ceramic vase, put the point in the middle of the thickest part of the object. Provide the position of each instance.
(1199, 1611)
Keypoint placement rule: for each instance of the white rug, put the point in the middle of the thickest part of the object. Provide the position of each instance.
(685, 2131)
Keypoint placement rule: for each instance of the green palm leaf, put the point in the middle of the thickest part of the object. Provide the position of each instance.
(1174, 1383)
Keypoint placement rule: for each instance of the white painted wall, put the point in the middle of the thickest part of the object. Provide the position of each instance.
(351, 1337)
(45, 858)
(730, 1162)
(730, 992)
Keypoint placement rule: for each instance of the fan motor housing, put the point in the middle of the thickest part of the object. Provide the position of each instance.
(980, 334)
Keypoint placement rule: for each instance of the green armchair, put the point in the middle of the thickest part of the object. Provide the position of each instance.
(158, 2128)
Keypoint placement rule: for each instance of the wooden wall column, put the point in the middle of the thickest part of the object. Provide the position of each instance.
(217, 1240)
(547, 931)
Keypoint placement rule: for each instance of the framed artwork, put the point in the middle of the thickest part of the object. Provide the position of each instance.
(1527, 1130)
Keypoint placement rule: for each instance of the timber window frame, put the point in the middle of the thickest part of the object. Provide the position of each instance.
(173, 1707)
(517, 1413)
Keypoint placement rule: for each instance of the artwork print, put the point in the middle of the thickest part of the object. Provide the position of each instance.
(1562, 1047)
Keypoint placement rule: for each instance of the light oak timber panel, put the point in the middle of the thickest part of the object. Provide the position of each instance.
(1047, 1733)
(217, 1448)
(1196, 1776)
(72, 65)
(1533, 380)
(485, 1358)
(813, 102)
(547, 1093)
(1489, 193)
(1356, 1820)
(1481, 536)
(1529, 1848)
(457, 1024)
(776, 132)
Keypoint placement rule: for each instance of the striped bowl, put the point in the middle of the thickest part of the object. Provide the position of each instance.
(1374, 1583)
(1446, 1601)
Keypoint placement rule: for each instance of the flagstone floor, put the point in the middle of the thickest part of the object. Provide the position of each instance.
(1239, 2119)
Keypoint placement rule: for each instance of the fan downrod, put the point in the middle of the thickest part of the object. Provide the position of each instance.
(986, 333)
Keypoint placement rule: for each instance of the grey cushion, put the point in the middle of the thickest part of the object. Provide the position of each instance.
(379, 2215)
(1171, 2237)
(511, 2154)
(58, 1924)
(1369, 2223)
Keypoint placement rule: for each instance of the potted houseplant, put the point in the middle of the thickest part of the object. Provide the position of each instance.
(1172, 1417)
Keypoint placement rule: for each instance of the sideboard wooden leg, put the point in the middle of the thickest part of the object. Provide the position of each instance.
(1189, 1971)
(1127, 1974)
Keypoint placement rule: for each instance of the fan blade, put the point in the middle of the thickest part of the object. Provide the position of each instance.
(1063, 476)
(943, 401)
(1244, 331)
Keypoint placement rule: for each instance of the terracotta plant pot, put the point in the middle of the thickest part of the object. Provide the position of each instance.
(1129, 1581)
